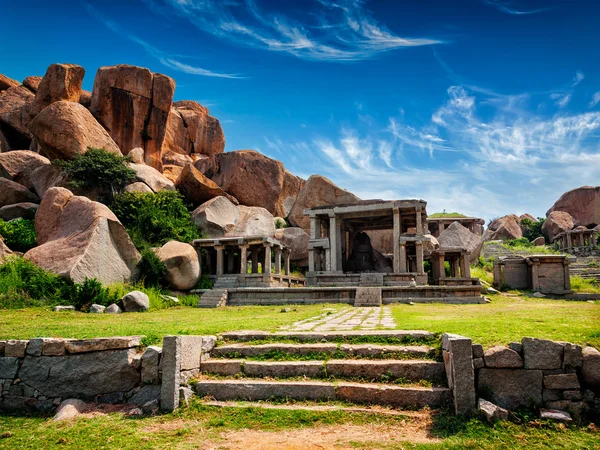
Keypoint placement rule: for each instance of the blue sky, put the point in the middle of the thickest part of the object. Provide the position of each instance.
(486, 107)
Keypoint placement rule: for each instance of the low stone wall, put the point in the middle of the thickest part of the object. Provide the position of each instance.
(37, 374)
(531, 373)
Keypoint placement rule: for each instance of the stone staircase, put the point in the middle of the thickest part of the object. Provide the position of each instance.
(350, 367)
(213, 298)
(586, 267)
(226, 282)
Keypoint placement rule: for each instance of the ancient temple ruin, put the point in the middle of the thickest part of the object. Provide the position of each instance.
(437, 225)
(548, 274)
(580, 241)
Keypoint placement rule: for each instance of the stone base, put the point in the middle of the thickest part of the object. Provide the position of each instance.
(367, 296)
(341, 279)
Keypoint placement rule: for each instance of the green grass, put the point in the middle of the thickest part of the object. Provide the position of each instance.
(199, 425)
(481, 273)
(530, 249)
(584, 285)
(445, 214)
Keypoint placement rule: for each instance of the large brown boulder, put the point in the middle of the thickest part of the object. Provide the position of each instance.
(296, 239)
(32, 83)
(197, 188)
(19, 164)
(133, 104)
(583, 204)
(15, 115)
(557, 222)
(6, 82)
(4, 146)
(11, 193)
(61, 82)
(252, 178)
(192, 129)
(457, 235)
(45, 177)
(181, 263)
(176, 159)
(318, 191)
(504, 228)
(171, 172)
(220, 217)
(67, 129)
(79, 238)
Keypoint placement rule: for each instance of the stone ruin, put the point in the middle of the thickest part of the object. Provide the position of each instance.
(548, 274)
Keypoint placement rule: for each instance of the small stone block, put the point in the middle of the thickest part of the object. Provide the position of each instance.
(572, 356)
(492, 413)
(150, 364)
(15, 348)
(516, 346)
(551, 414)
(502, 357)
(101, 344)
(562, 405)
(63, 308)
(191, 351)
(171, 368)
(478, 351)
(35, 347)
(551, 395)
(542, 354)
(53, 347)
(478, 363)
(2, 346)
(574, 396)
(562, 381)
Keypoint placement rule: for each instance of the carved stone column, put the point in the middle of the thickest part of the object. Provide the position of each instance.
(243, 258)
(219, 249)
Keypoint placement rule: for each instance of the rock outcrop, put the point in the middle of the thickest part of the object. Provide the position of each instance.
(18, 165)
(220, 217)
(61, 82)
(296, 239)
(6, 82)
(318, 191)
(32, 83)
(504, 228)
(152, 178)
(557, 222)
(197, 188)
(252, 178)
(45, 177)
(583, 204)
(457, 235)
(15, 115)
(133, 104)
(79, 238)
(66, 129)
(181, 263)
(11, 193)
(192, 130)
(18, 211)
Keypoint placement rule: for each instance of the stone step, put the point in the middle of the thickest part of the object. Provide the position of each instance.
(359, 350)
(213, 298)
(255, 390)
(310, 336)
(373, 370)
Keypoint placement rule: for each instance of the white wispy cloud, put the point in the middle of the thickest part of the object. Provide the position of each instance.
(165, 58)
(515, 7)
(595, 99)
(341, 30)
(561, 100)
(578, 78)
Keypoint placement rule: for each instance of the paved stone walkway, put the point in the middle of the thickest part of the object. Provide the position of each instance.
(347, 319)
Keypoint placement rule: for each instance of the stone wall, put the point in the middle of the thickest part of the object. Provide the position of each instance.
(36, 375)
(531, 373)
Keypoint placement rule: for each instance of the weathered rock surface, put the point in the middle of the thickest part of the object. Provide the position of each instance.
(80, 238)
(136, 155)
(6, 82)
(85, 98)
(492, 413)
(66, 129)
(61, 82)
(32, 83)
(113, 309)
(502, 357)
(4, 250)
(152, 178)
(219, 217)
(45, 177)
(18, 210)
(97, 309)
(82, 374)
(18, 165)
(15, 115)
(69, 409)
(171, 172)
(583, 204)
(504, 228)
(252, 178)
(456, 235)
(296, 239)
(11, 193)
(557, 222)
(102, 344)
(511, 388)
(590, 370)
(539, 241)
(542, 354)
(150, 364)
(318, 191)
(181, 263)
(136, 301)
(191, 129)
(197, 188)
(133, 104)
(138, 186)
(176, 159)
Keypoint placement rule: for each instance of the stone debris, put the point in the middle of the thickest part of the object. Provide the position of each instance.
(555, 414)
(492, 413)
(97, 309)
(113, 309)
(70, 409)
(135, 301)
(63, 308)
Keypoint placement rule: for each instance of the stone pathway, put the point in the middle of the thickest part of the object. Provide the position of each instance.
(347, 319)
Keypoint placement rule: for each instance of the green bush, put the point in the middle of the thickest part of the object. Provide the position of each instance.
(521, 242)
(152, 269)
(533, 228)
(89, 292)
(154, 219)
(98, 169)
(18, 234)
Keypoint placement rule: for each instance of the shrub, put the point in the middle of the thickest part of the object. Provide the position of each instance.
(89, 292)
(154, 219)
(152, 269)
(532, 228)
(18, 234)
(98, 169)
(280, 223)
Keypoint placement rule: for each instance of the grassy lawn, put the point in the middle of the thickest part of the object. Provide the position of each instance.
(201, 426)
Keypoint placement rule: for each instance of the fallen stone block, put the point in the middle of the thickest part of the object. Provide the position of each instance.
(151, 364)
(492, 413)
(70, 409)
(553, 414)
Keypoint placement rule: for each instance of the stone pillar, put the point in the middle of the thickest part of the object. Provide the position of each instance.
(497, 275)
(419, 222)
(567, 275)
(199, 253)
(230, 261)
(254, 260)
(396, 240)
(219, 249)
(465, 268)
(535, 280)
(327, 260)
(440, 265)
(267, 265)
(419, 259)
(243, 259)
(334, 247)
(311, 260)
(314, 228)
(278, 261)
(454, 267)
(286, 256)
(403, 268)
(442, 227)
(458, 362)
